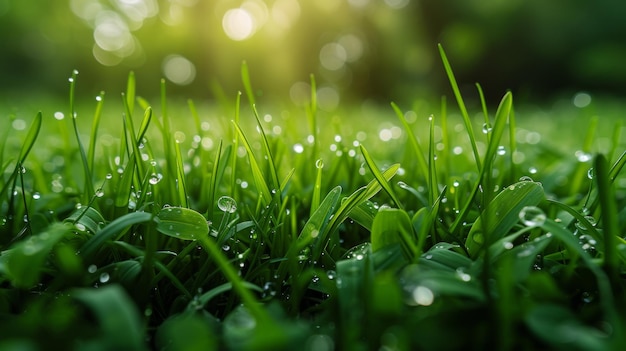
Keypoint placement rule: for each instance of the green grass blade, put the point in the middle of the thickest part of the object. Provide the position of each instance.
(379, 177)
(275, 184)
(181, 223)
(459, 99)
(610, 222)
(113, 231)
(24, 263)
(501, 214)
(180, 177)
(257, 174)
(317, 187)
(116, 315)
(245, 78)
(94, 130)
(31, 137)
(417, 149)
(393, 226)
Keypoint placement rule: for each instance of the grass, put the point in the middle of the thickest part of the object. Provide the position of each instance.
(235, 228)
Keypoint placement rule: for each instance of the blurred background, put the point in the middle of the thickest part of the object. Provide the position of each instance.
(380, 50)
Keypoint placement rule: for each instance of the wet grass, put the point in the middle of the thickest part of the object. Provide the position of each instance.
(190, 226)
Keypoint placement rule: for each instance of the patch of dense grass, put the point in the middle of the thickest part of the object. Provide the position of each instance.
(157, 226)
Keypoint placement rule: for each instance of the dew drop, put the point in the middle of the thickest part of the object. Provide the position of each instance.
(487, 128)
(319, 164)
(227, 204)
(532, 216)
(104, 277)
(109, 176)
(501, 150)
(423, 295)
(591, 173)
(526, 179)
(92, 268)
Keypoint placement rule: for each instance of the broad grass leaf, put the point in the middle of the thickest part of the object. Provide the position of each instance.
(440, 257)
(502, 213)
(442, 282)
(392, 226)
(86, 219)
(181, 223)
(24, 262)
(117, 316)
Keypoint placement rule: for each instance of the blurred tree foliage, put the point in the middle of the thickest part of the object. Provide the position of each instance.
(375, 49)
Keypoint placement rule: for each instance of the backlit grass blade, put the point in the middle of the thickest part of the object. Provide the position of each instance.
(393, 226)
(485, 173)
(89, 190)
(95, 124)
(219, 165)
(31, 137)
(417, 149)
(502, 213)
(463, 109)
(257, 174)
(580, 173)
(180, 177)
(245, 79)
(317, 186)
(130, 92)
(379, 177)
(275, 184)
(311, 113)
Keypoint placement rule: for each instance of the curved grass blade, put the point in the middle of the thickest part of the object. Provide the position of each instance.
(24, 262)
(459, 99)
(181, 223)
(245, 79)
(113, 231)
(257, 174)
(393, 226)
(417, 149)
(117, 316)
(502, 213)
(379, 177)
(31, 137)
(94, 129)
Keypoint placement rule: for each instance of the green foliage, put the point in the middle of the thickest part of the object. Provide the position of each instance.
(174, 243)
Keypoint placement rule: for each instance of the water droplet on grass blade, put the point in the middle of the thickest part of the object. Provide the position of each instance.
(227, 204)
(319, 164)
(487, 128)
(92, 268)
(532, 216)
(104, 277)
(423, 296)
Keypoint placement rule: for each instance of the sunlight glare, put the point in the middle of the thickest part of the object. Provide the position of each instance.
(238, 24)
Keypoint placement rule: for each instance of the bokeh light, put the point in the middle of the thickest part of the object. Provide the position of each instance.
(179, 70)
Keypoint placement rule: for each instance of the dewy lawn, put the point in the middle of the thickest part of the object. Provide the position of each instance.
(236, 226)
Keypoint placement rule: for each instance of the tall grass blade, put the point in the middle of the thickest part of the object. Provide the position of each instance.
(257, 174)
(245, 78)
(459, 99)
(275, 184)
(501, 214)
(89, 189)
(379, 177)
(95, 124)
(610, 222)
(417, 149)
